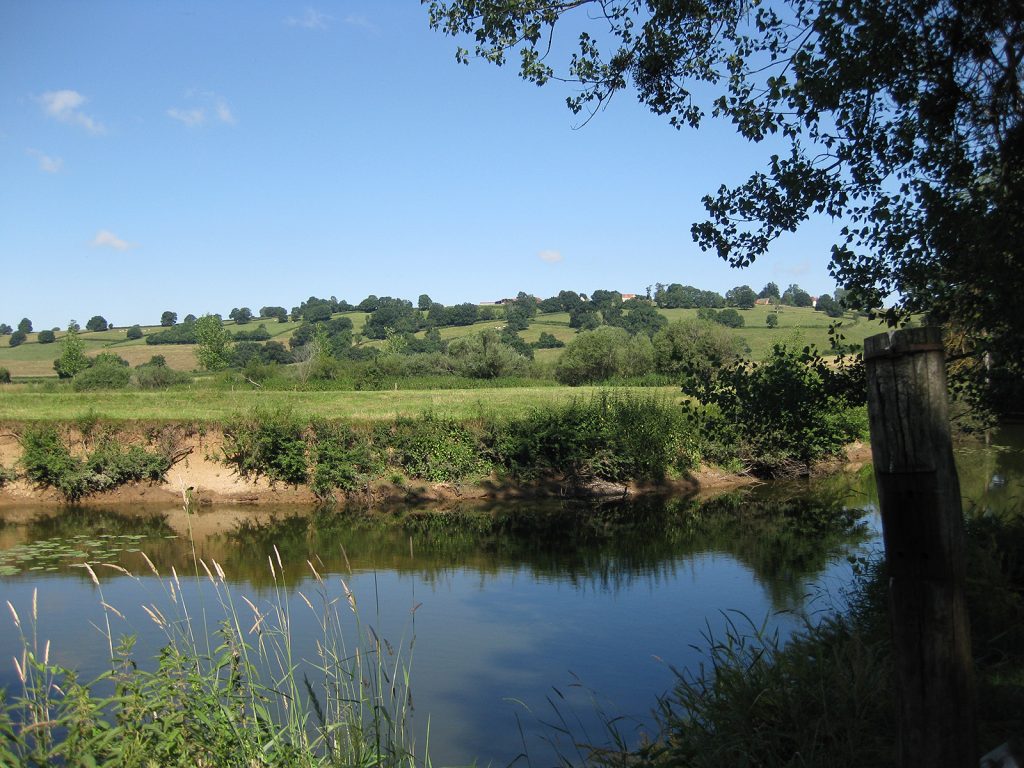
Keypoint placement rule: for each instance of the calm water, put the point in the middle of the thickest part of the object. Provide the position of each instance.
(518, 606)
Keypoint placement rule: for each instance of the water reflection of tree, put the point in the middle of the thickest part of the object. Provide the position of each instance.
(783, 541)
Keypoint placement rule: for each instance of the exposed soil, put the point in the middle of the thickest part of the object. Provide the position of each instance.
(200, 475)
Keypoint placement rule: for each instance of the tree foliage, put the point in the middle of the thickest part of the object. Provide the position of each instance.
(278, 313)
(485, 355)
(694, 347)
(741, 296)
(604, 353)
(243, 315)
(901, 118)
(212, 343)
(168, 318)
(97, 323)
(46, 337)
(25, 326)
(72, 354)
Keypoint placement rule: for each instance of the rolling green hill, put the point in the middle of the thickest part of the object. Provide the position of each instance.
(797, 325)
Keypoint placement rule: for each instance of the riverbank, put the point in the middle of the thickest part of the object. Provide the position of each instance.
(201, 475)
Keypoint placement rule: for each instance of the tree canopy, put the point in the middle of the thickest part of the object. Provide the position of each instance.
(900, 118)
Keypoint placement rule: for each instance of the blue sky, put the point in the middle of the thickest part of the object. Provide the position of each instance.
(199, 156)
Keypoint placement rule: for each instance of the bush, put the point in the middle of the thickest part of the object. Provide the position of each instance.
(18, 337)
(135, 332)
(609, 436)
(260, 334)
(269, 444)
(781, 415)
(485, 355)
(5, 376)
(48, 463)
(694, 348)
(102, 375)
(434, 449)
(177, 334)
(341, 458)
(159, 376)
(772, 320)
(604, 353)
(730, 318)
(548, 341)
(97, 323)
(46, 337)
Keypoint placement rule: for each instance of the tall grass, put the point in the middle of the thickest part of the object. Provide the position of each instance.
(236, 696)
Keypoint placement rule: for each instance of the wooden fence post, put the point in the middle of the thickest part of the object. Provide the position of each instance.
(922, 525)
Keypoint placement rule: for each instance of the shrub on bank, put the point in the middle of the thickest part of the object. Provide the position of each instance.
(432, 448)
(48, 462)
(778, 416)
(269, 444)
(609, 437)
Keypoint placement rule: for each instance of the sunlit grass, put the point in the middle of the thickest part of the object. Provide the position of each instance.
(211, 405)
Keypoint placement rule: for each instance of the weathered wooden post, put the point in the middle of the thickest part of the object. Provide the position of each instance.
(922, 525)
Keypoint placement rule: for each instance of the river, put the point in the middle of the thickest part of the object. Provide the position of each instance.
(517, 621)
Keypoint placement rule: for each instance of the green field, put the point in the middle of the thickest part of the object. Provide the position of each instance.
(797, 325)
(211, 405)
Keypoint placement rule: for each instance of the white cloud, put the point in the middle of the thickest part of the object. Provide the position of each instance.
(551, 257)
(211, 106)
(224, 113)
(311, 19)
(361, 22)
(190, 117)
(47, 163)
(107, 239)
(65, 106)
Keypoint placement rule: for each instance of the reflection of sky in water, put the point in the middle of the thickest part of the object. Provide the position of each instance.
(485, 648)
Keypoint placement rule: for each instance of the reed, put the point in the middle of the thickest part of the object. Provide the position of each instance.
(234, 696)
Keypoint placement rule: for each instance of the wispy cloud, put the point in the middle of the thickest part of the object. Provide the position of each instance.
(793, 270)
(47, 163)
(190, 117)
(310, 19)
(224, 113)
(359, 21)
(66, 106)
(551, 257)
(212, 107)
(107, 239)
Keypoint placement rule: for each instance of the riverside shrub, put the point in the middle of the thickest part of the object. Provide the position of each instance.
(340, 458)
(608, 436)
(269, 444)
(780, 415)
(435, 449)
(48, 462)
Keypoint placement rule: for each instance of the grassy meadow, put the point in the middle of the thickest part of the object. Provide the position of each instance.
(213, 405)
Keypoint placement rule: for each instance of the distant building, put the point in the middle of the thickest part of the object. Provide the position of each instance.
(763, 302)
(628, 296)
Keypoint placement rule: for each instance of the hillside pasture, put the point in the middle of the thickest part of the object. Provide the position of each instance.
(799, 326)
